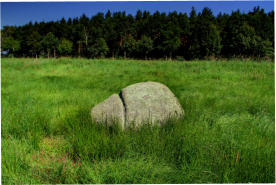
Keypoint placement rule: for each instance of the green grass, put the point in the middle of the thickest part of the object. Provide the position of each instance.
(226, 136)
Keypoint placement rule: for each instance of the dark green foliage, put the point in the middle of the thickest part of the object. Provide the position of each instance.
(50, 43)
(65, 47)
(144, 46)
(206, 39)
(266, 49)
(213, 41)
(158, 35)
(128, 45)
(244, 40)
(170, 40)
(34, 43)
(10, 45)
(98, 49)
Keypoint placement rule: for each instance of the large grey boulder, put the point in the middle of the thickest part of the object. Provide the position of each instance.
(145, 102)
(149, 102)
(109, 111)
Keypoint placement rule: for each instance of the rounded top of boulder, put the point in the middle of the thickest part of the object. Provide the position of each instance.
(150, 102)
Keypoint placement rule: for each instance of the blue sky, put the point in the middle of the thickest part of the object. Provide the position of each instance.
(20, 13)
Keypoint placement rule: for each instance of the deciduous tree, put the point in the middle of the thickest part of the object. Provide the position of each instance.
(144, 46)
(50, 43)
(65, 47)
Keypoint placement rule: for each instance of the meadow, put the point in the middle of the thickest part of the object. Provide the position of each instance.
(226, 136)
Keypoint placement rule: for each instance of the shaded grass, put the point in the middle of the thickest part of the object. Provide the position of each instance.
(226, 136)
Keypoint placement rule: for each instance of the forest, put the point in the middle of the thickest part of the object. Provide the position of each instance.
(181, 36)
(218, 66)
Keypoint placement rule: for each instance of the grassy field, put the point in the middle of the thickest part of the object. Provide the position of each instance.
(226, 136)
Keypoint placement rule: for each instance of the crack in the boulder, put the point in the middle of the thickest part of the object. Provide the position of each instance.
(123, 101)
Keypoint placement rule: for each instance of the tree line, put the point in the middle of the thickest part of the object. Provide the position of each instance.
(199, 35)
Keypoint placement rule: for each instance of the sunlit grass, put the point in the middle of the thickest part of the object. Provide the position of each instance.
(226, 136)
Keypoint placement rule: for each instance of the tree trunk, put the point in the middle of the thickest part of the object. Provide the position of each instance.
(36, 56)
(86, 37)
(121, 41)
(54, 53)
(48, 53)
(86, 42)
(170, 55)
(79, 49)
(112, 55)
(125, 54)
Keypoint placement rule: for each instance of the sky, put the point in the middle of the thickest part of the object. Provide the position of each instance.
(20, 13)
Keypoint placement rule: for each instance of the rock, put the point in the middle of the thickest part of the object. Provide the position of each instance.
(145, 102)
(149, 102)
(109, 111)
